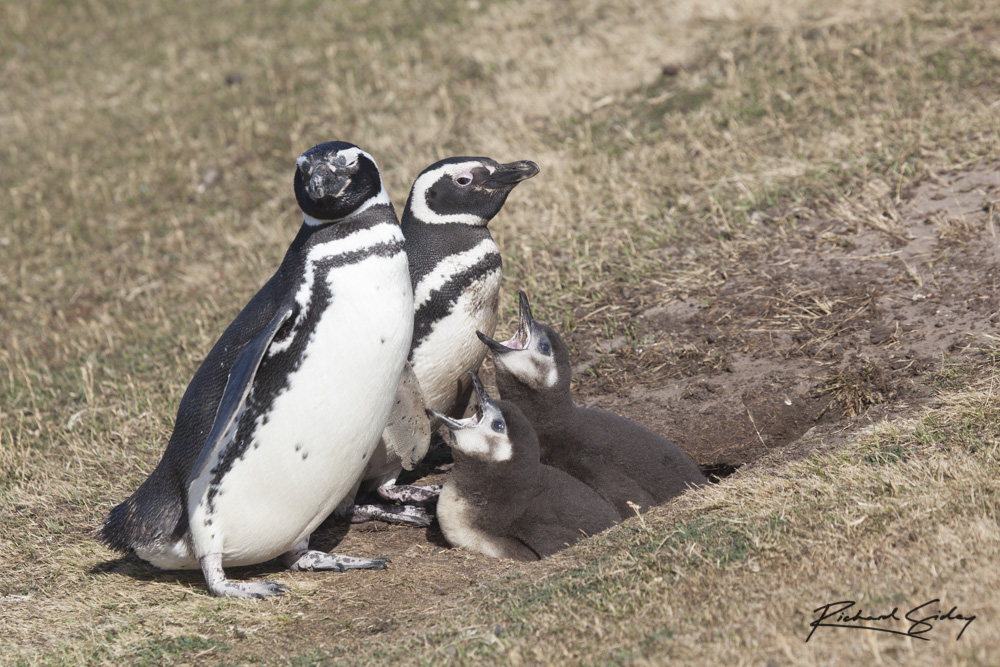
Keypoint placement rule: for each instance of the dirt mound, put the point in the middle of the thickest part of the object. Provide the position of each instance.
(813, 320)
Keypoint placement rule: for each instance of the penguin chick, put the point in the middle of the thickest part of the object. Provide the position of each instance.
(500, 500)
(280, 419)
(455, 268)
(621, 460)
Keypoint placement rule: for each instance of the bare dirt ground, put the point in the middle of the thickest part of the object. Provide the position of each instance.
(816, 324)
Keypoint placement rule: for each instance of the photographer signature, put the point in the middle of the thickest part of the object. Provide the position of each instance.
(842, 615)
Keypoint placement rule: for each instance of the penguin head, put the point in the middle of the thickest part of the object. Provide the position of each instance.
(535, 356)
(497, 433)
(464, 190)
(335, 180)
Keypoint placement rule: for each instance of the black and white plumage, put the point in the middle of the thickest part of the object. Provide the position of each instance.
(501, 500)
(621, 460)
(282, 417)
(455, 268)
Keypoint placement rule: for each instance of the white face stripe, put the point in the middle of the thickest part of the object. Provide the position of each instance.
(484, 444)
(530, 367)
(382, 197)
(449, 267)
(504, 451)
(353, 153)
(424, 182)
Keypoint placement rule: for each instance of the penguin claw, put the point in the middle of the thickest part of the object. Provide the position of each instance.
(272, 588)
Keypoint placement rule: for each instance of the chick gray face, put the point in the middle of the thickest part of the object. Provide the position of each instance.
(484, 435)
(530, 355)
(335, 180)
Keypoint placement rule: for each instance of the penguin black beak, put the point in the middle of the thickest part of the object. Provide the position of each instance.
(525, 321)
(455, 424)
(326, 182)
(521, 337)
(495, 347)
(481, 394)
(512, 173)
(523, 311)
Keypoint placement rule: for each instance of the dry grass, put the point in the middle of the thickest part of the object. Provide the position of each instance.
(145, 196)
(732, 575)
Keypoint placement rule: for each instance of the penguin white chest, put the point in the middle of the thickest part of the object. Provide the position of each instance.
(451, 348)
(312, 442)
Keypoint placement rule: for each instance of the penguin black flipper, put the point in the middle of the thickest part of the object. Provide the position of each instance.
(237, 388)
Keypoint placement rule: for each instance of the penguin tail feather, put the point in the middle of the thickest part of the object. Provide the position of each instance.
(115, 533)
(135, 523)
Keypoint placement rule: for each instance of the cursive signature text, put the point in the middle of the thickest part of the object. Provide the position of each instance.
(843, 615)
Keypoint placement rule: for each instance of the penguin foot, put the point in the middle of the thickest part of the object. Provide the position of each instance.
(219, 586)
(254, 590)
(403, 515)
(310, 560)
(408, 493)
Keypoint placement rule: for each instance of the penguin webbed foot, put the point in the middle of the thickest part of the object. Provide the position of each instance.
(256, 590)
(410, 494)
(221, 587)
(310, 560)
(404, 515)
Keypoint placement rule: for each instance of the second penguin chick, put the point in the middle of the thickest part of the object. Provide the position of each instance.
(621, 460)
(500, 500)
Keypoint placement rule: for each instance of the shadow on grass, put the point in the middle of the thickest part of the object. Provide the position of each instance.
(325, 538)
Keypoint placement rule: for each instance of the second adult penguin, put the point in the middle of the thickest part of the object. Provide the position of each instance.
(621, 460)
(455, 268)
(500, 500)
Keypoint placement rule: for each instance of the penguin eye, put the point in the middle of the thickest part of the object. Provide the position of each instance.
(353, 160)
(544, 347)
(463, 179)
(498, 425)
